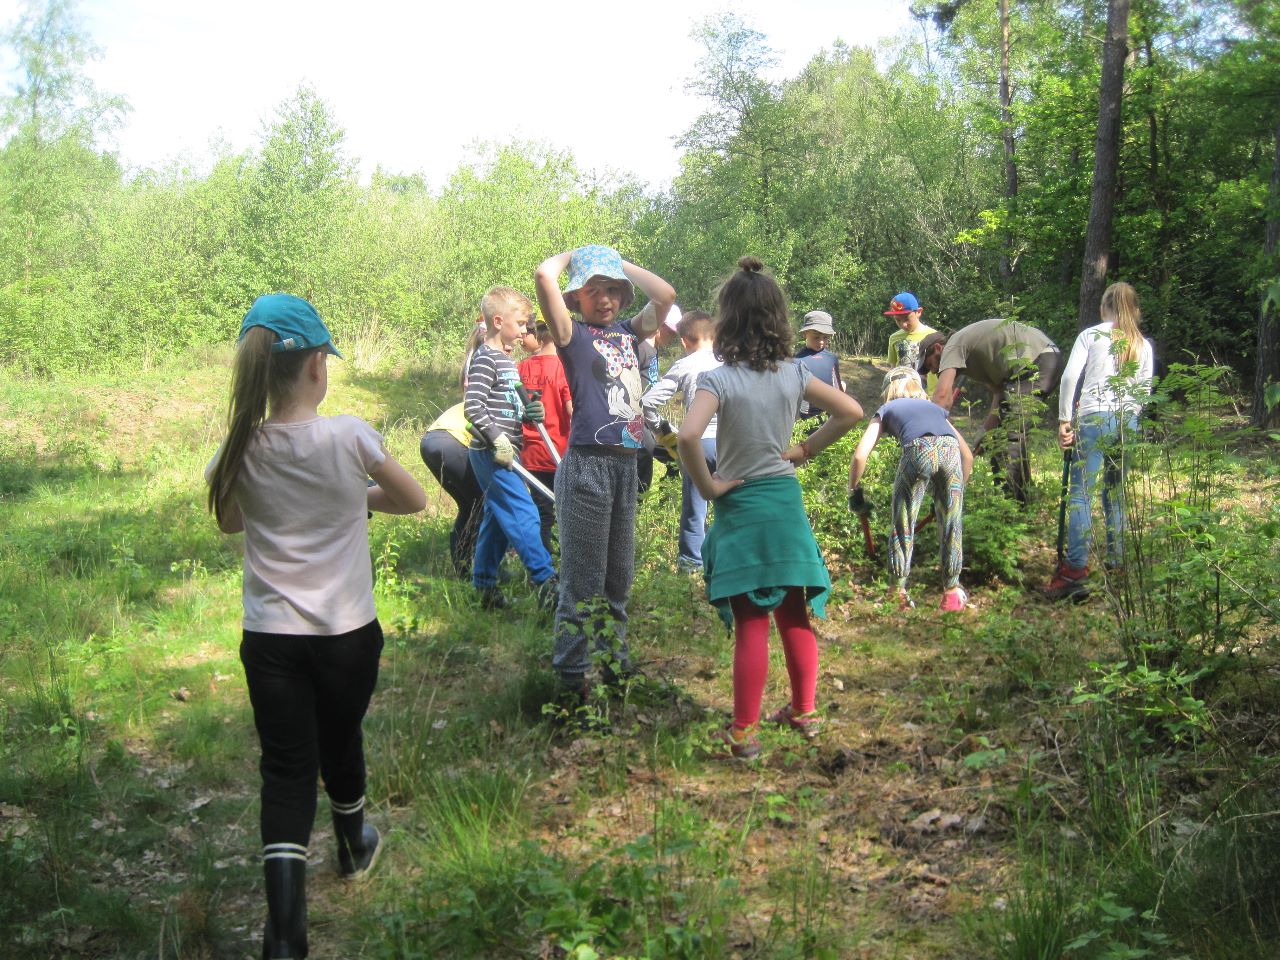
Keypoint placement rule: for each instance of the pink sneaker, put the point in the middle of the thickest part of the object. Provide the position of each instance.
(742, 744)
(808, 725)
(954, 600)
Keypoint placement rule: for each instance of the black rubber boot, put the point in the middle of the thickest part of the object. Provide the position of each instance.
(286, 881)
(359, 843)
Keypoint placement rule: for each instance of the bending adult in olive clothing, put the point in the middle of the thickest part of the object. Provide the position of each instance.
(1012, 360)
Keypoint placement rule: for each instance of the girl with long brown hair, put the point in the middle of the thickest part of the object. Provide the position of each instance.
(760, 556)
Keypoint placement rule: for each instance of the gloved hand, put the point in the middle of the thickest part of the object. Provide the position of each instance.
(667, 437)
(534, 412)
(504, 453)
(858, 502)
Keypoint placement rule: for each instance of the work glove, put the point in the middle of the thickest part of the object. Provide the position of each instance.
(667, 437)
(534, 412)
(858, 502)
(504, 452)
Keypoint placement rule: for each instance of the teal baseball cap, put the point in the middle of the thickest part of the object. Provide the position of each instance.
(293, 320)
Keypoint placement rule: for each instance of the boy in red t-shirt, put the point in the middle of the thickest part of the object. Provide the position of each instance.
(543, 371)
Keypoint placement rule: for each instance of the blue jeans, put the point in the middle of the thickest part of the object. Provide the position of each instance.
(693, 510)
(510, 519)
(1099, 449)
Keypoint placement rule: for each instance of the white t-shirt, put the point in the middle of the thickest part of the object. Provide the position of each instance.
(303, 490)
(1091, 369)
(682, 378)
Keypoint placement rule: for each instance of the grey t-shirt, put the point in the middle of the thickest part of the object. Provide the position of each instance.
(988, 350)
(758, 410)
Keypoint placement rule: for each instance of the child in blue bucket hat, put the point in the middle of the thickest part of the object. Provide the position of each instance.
(597, 482)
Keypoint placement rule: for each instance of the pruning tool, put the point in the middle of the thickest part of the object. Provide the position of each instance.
(526, 397)
(533, 482)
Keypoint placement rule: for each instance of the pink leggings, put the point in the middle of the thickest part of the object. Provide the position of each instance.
(751, 655)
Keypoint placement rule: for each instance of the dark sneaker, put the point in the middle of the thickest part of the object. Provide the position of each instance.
(1067, 582)
(491, 598)
(548, 593)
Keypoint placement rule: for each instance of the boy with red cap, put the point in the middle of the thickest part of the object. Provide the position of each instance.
(904, 343)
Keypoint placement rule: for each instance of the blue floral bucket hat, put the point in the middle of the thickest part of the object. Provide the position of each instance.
(595, 260)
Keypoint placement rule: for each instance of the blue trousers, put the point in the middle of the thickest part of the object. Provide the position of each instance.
(1099, 449)
(510, 519)
(693, 510)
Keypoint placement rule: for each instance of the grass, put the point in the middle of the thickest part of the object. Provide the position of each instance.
(959, 804)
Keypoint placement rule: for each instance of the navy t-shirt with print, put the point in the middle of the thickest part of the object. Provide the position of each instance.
(910, 418)
(605, 383)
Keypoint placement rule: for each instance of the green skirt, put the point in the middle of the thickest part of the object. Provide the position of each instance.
(761, 544)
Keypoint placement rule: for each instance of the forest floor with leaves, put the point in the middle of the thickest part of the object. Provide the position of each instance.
(128, 802)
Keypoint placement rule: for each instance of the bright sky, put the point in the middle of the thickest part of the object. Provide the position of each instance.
(416, 85)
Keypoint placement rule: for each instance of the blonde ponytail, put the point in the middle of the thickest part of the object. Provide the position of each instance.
(1120, 305)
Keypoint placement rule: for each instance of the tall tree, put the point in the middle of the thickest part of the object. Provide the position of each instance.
(1007, 136)
(302, 190)
(1266, 379)
(54, 116)
(1106, 161)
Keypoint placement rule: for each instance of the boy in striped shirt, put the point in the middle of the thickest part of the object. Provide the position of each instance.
(495, 411)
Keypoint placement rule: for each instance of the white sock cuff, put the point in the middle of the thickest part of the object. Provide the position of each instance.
(284, 851)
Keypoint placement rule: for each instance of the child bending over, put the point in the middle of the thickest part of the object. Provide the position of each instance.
(934, 455)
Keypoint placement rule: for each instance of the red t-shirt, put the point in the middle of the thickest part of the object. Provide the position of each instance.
(546, 374)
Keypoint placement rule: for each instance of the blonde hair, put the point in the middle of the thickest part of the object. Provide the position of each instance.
(500, 300)
(260, 376)
(1120, 305)
(906, 384)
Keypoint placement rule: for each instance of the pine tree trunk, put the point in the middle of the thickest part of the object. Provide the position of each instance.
(1106, 156)
(1268, 370)
(1006, 124)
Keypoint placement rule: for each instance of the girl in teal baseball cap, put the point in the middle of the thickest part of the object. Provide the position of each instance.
(299, 487)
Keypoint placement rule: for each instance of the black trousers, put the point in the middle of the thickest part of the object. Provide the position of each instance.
(546, 509)
(309, 697)
(448, 462)
(1039, 379)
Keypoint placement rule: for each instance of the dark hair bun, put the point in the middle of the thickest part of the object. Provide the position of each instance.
(751, 264)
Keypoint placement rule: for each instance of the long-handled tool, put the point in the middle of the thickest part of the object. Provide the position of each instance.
(868, 540)
(533, 482)
(1062, 505)
(526, 398)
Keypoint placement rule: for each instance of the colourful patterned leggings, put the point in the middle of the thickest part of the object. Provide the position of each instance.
(932, 462)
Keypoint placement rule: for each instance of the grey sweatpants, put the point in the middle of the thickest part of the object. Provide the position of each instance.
(596, 512)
